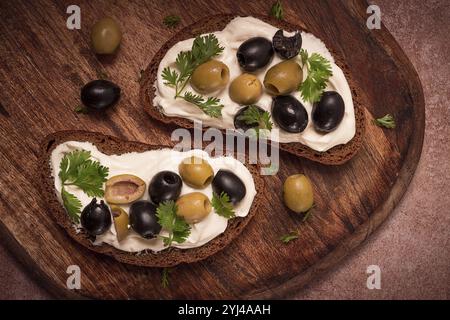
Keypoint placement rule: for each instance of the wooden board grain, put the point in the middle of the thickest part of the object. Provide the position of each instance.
(42, 67)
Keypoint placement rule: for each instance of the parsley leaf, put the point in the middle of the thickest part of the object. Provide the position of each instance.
(203, 49)
(276, 11)
(254, 116)
(171, 21)
(319, 71)
(222, 205)
(387, 121)
(289, 237)
(177, 227)
(165, 277)
(72, 205)
(78, 170)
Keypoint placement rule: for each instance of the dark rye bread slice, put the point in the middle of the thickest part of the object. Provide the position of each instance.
(112, 145)
(334, 156)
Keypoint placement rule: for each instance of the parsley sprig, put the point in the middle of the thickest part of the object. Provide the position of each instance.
(387, 121)
(319, 71)
(254, 116)
(77, 169)
(177, 227)
(171, 21)
(276, 10)
(222, 205)
(203, 49)
(289, 237)
(165, 277)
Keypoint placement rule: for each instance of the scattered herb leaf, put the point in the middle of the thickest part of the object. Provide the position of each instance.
(171, 21)
(289, 237)
(319, 71)
(276, 10)
(253, 116)
(165, 277)
(81, 109)
(222, 205)
(203, 49)
(308, 213)
(387, 121)
(177, 227)
(102, 75)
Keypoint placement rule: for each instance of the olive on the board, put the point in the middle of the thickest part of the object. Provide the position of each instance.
(254, 53)
(245, 89)
(196, 172)
(210, 76)
(165, 186)
(143, 219)
(298, 193)
(193, 207)
(226, 181)
(283, 78)
(106, 36)
(100, 94)
(289, 114)
(96, 218)
(328, 113)
(287, 47)
(123, 189)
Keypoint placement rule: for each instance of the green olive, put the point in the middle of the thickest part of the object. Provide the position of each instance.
(106, 36)
(196, 172)
(283, 78)
(123, 189)
(245, 89)
(120, 222)
(210, 76)
(298, 193)
(193, 207)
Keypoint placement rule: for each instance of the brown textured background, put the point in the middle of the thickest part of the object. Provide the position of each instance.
(412, 247)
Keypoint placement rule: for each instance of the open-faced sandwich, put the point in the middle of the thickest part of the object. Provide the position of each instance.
(245, 72)
(144, 204)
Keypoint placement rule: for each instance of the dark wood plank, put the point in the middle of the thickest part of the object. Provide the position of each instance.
(42, 69)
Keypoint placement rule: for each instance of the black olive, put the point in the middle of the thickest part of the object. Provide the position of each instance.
(226, 181)
(254, 53)
(100, 94)
(287, 47)
(143, 219)
(96, 218)
(328, 113)
(241, 124)
(289, 114)
(164, 186)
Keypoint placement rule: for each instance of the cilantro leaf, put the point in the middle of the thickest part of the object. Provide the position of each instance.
(276, 10)
(177, 227)
(222, 205)
(289, 237)
(171, 21)
(90, 178)
(170, 77)
(206, 47)
(387, 121)
(319, 71)
(254, 116)
(211, 106)
(72, 205)
(70, 163)
(165, 277)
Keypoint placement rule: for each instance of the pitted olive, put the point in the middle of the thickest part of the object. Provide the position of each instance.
(100, 94)
(289, 114)
(210, 76)
(254, 53)
(328, 113)
(283, 78)
(106, 36)
(287, 47)
(193, 207)
(120, 222)
(123, 189)
(143, 219)
(165, 186)
(226, 181)
(298, 193)
(96, 218)
(245, 89)
(196, 172)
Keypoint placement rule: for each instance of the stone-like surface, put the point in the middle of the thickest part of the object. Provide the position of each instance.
(412, 247)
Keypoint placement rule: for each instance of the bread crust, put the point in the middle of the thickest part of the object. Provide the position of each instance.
(334, 156)
(112, 145)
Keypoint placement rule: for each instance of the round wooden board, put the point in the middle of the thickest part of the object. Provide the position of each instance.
(44, 65)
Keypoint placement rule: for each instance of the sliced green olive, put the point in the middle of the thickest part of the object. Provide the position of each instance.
(106, 36)
(193, 207)
(196, 172)
(283, 78)
(245, 89)
(120, 222)
(210, 76)
(123, 189)
(298, 193)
